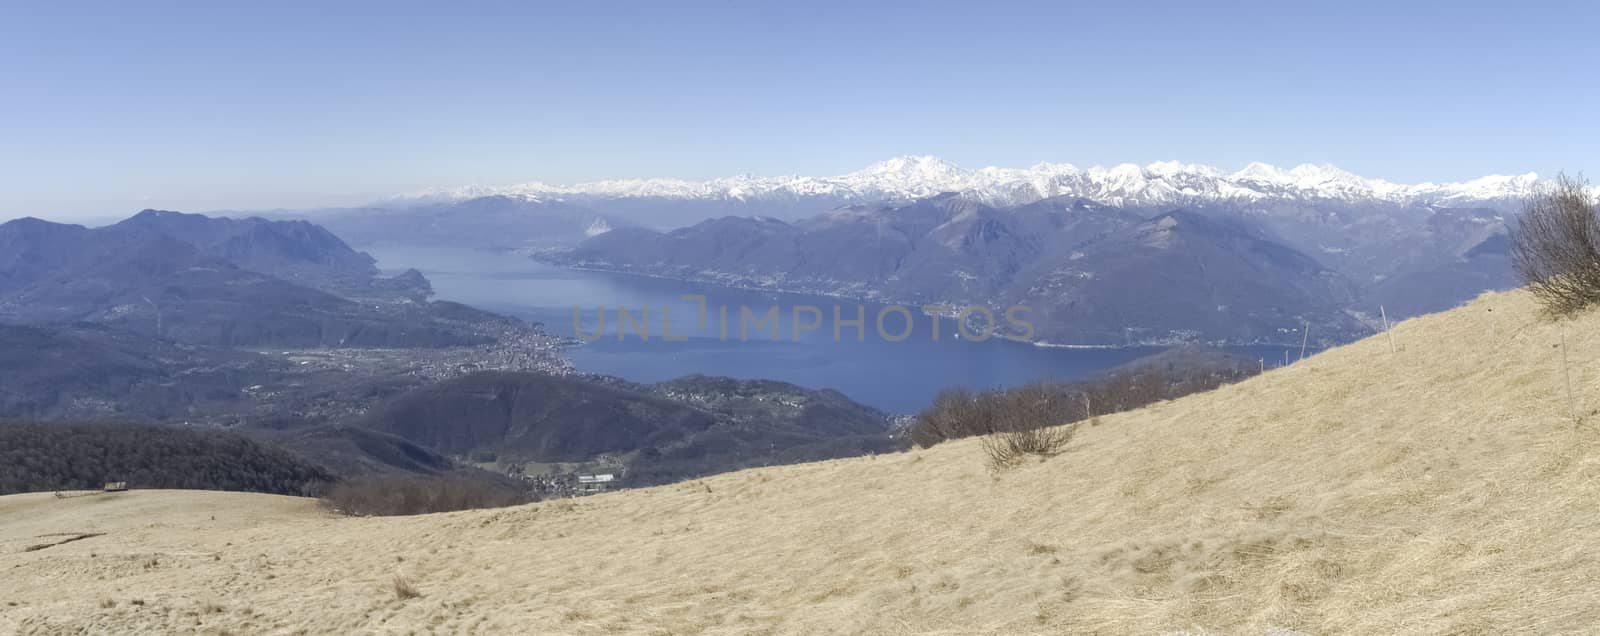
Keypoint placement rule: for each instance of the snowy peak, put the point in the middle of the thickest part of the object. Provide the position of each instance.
(911, 167)
(1491, 187)
(908, 173)
(913, 177)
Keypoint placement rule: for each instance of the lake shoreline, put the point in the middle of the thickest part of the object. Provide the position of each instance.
(877, 301)
(893, 376)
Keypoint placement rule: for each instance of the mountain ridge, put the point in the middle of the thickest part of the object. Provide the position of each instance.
(913, 177)
(223, 282)
(1086, 274)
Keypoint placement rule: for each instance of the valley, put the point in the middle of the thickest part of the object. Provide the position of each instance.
(1441, 482)
(777, 318)
(282, 333)
(282, 330)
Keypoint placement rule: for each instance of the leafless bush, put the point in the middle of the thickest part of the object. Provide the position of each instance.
(1032, 406)
(1126, 391)
(403, 589)
(1009, 448)
(957, 413)
(1557, 246)
(390, 495)
(1034, 419)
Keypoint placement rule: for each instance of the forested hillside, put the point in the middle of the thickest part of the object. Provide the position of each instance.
(56, 456)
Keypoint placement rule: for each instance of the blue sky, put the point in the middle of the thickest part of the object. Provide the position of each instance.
(109, 108)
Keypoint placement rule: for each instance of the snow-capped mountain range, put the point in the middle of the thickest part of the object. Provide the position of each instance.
(1240, 256)
(914, 177)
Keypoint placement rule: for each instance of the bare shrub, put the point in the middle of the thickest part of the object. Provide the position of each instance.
(392, 495)
(1556, 249)
(1009, 448)
(1035, 419)
(1035, 547)
(1126, 391)
(1032, 407)
(957, 413)
(403, 589)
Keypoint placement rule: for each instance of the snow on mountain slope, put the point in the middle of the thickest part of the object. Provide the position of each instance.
(915, 177)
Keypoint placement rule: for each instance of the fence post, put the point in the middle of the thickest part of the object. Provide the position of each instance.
(1566, 375)
(1385, 315)
(1305, 338)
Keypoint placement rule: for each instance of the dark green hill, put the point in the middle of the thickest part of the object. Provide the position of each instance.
(538, 417)
(61, 456)
(94, 371)
(687, 427)
(352, 450)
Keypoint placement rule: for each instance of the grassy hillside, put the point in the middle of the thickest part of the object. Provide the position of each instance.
(1443, 487)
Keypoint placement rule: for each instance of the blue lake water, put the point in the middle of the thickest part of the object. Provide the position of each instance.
(897, 369)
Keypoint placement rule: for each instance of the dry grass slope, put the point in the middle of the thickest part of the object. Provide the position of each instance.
(1442, 488)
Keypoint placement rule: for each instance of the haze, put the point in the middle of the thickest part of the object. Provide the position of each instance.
(198, 107)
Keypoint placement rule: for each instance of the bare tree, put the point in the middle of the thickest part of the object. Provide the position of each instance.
(1557, 246)
(956, 412)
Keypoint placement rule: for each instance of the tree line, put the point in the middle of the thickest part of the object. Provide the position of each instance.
(59, 456)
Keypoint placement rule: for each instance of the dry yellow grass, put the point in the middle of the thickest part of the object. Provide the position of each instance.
(1443, 488)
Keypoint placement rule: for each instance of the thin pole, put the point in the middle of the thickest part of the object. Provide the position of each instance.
(1385, 315)
(1305, 337)
(1566, 373)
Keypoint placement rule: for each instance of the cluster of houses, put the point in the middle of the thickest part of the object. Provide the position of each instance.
(555, 485)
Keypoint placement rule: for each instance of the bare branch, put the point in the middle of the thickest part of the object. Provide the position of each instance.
(1557, 247)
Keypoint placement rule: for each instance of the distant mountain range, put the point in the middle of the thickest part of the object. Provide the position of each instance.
(537, 215)
(225, 282)
(494, 221)
(1093, 273)
(1154, 253)
(287, 249)
(915, 177)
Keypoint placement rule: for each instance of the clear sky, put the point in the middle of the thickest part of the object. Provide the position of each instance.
(109, 108)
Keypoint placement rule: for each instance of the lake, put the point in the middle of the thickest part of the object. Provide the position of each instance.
(897, 366)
